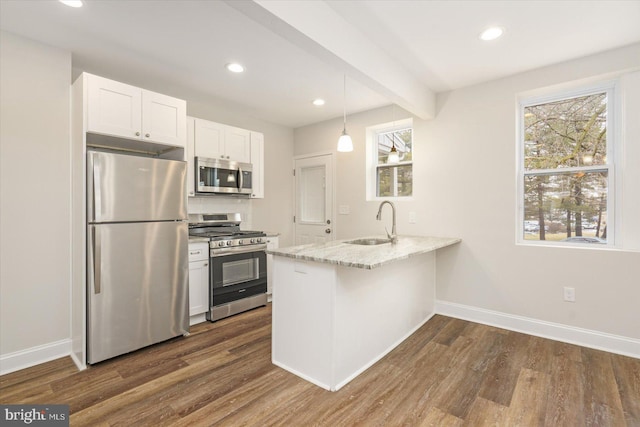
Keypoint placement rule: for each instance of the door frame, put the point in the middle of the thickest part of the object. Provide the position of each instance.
(332, 156)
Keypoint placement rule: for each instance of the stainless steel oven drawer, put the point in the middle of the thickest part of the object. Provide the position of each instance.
(234, 293)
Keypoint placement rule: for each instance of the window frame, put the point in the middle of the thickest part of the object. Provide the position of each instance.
(372, 165)
(613, 127)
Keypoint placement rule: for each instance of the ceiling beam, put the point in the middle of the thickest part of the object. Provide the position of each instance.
(318, 29)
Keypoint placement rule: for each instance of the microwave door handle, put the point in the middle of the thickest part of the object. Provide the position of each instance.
(241, 179)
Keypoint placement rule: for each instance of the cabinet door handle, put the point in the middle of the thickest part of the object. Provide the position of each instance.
(147, 135)
(137, 133)
(205, 264)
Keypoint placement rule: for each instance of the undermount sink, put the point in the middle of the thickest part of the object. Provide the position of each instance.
(369, 242)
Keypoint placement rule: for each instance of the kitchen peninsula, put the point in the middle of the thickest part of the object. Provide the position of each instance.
(339, 307)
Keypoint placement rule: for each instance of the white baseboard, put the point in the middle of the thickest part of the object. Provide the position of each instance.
(301, 375)
(540, 328)
(15, 361)
(198, 318)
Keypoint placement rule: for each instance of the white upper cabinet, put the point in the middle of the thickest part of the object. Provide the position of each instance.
(218, 141)
(125, 111)
(238, 144)
(164, 119)
(114, 108)
(209, 139)
(257, 161)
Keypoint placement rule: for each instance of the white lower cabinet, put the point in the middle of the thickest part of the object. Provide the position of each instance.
(198, 278)
(272, 243)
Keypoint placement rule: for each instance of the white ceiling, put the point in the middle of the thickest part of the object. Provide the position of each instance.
(399, 52)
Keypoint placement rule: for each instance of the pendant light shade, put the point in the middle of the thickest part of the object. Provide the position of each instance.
(345, 144)
(393, 157)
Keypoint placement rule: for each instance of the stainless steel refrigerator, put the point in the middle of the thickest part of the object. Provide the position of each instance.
(137, 262)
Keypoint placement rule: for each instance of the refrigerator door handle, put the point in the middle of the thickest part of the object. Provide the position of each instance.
(97, 199)
(97, 244)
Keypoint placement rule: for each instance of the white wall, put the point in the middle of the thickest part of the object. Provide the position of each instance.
(35, 196)
(473, 148)
(465, 186)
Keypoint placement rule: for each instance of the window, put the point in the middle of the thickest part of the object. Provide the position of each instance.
(566, 168)
(390, 179)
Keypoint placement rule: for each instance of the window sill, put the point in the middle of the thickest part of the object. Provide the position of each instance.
(569, 245)
(390, 198)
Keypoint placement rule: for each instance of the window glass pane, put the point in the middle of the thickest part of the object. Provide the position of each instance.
(402, 141)
(566, 207)
(312, 199)
(566, 133)
(405, 180)
(384, 178)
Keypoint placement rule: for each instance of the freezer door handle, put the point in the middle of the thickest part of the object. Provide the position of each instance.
(97, 199)
(96, 259)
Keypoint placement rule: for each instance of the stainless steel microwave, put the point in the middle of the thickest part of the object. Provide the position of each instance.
(214, 176)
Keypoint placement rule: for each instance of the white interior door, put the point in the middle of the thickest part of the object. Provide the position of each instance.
(314, 220)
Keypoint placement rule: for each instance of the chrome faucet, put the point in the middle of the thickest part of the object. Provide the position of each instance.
(393, 236)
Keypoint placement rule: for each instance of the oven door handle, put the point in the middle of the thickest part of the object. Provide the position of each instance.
(237, 250)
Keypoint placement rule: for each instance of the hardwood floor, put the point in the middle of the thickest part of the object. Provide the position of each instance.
(449, 373)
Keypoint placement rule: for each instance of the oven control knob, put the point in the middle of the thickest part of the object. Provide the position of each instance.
(259, 239)
(229, 242)
(220, 243)
(253, 240)
(240, 242)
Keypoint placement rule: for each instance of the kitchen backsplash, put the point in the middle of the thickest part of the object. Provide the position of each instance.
(221, 204)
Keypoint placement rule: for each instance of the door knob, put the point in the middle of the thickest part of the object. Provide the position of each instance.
(328, 231)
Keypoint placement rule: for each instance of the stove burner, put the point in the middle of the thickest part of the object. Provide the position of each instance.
(224, 230)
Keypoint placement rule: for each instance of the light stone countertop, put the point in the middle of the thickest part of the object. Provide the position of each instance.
(363, 256)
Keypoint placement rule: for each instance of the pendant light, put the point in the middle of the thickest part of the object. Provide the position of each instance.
(344, 142)
(393, 156)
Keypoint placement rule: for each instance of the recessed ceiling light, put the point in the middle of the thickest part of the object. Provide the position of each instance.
(72, 3)
(235, 67)
(491, 33)
(318, 102)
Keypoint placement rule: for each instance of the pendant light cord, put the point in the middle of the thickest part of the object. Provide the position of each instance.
(344, 103)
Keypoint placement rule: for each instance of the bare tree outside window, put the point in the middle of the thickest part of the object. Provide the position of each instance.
(566, 170)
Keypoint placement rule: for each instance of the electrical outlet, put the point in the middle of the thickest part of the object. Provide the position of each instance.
(412, 217)
(569, 294)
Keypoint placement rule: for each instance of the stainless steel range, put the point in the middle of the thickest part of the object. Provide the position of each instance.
(238, 264)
